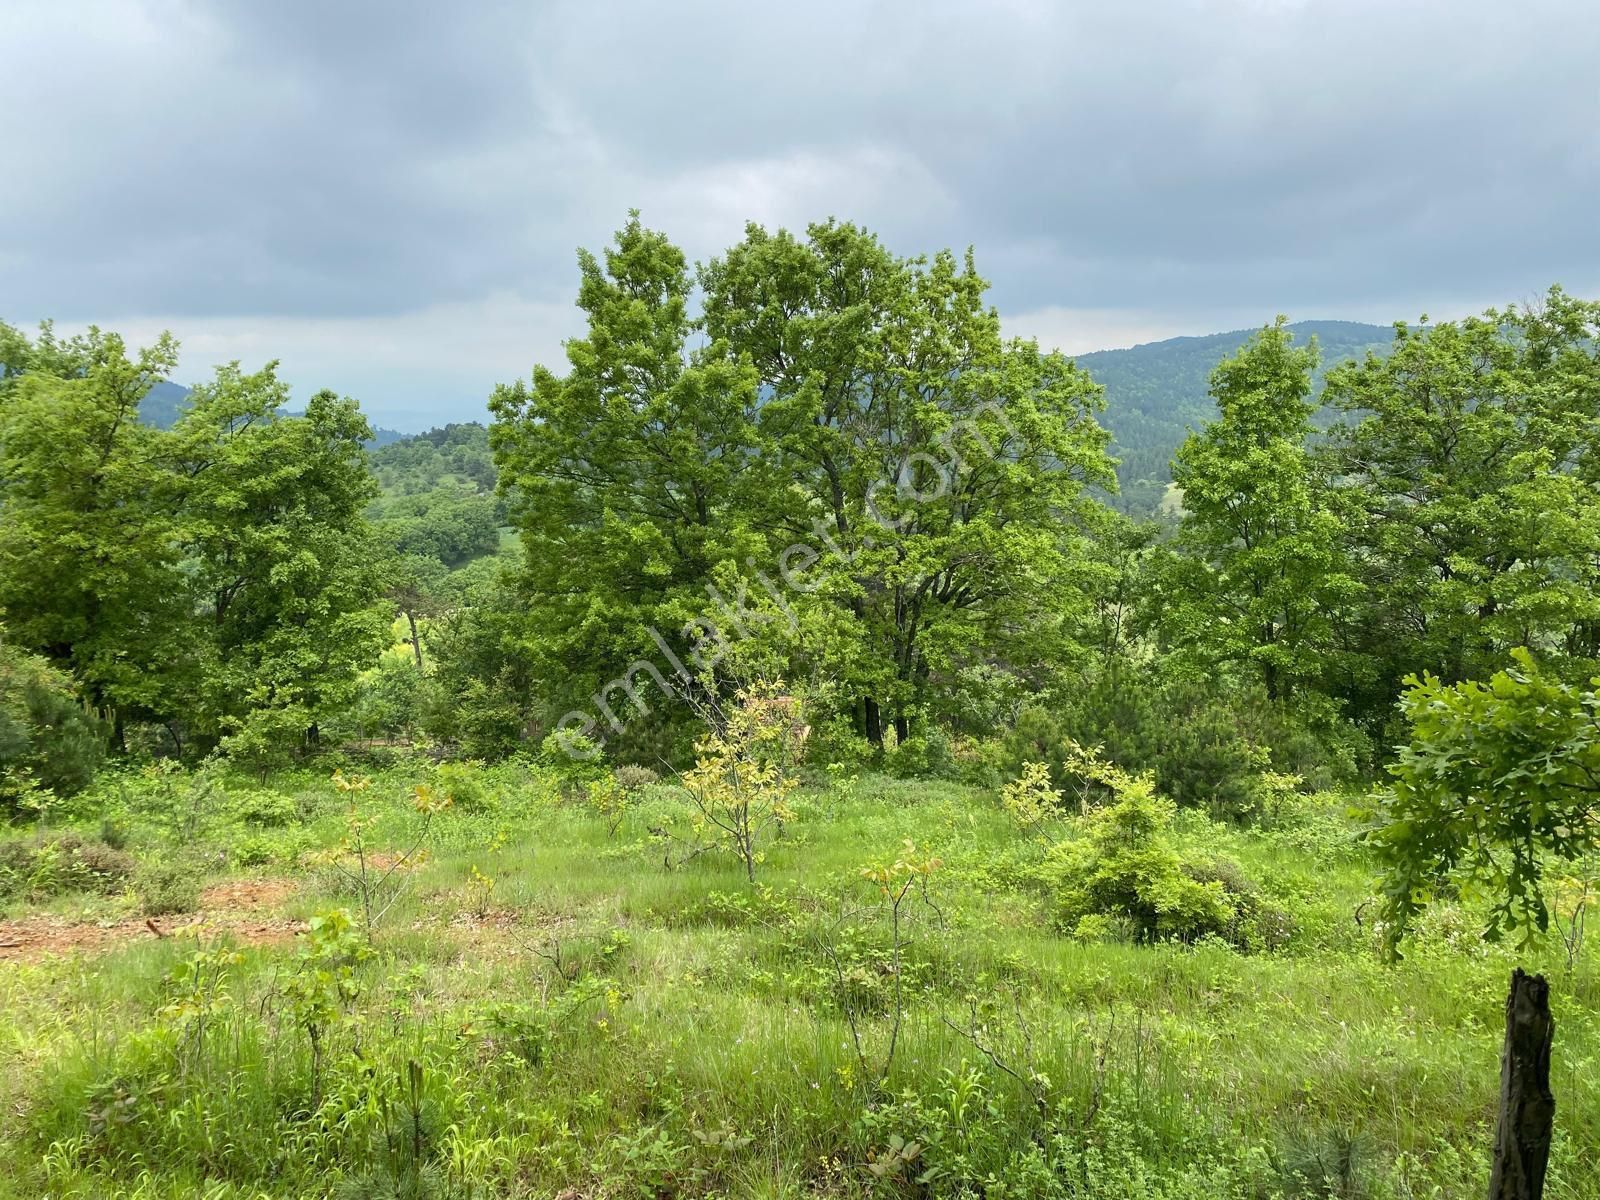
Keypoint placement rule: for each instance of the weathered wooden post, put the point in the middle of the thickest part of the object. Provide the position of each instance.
(1527, 1106)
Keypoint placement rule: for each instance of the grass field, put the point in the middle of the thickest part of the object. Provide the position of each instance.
(550, 1007)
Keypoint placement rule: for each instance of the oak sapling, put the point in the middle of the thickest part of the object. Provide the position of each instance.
(745, 771)
(899, 883)
(324, 984)
(377, 881)
(1498, 779)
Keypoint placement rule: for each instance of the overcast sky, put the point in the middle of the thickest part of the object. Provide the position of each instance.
(388, 196)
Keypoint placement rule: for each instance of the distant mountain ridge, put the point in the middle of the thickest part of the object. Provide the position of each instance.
(1156, 393)
(165, 403)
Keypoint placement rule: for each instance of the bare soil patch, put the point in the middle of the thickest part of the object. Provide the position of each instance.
(242, 909)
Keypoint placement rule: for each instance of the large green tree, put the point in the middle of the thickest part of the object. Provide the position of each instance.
(1261, 575)
(853, 478)
(927, 475)
(89, 543)
(190, 576)
(1470, 485)
(621, 473)
(287, 575)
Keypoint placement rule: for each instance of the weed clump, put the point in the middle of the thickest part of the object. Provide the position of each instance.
(167, 888)
(36, 870)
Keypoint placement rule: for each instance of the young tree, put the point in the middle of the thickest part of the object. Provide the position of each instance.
(1262, 572)
(1497, 780)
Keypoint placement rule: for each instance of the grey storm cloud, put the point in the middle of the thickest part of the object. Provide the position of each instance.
(337, 172)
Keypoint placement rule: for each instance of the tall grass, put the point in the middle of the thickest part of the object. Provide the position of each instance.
(613, 1027)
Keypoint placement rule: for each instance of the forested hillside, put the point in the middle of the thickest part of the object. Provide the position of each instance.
(1157, 392)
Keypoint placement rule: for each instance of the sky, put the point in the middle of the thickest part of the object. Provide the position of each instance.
(388, 196)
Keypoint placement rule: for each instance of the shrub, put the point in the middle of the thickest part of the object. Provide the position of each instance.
(267, 810)
(1257, 924)
(388, 699)
(1029, 798)
(609, 800)
(631, 778)
(168, 887)
(741, 781)
(253, 852)
(49, 740)
(836, 744)
(463, 783)
(1125, 869)
(267, 739)
(565, 749)
(927, 754)
(67, 863)
(574, 760)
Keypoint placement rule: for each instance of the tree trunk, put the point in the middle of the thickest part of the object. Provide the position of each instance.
(902, 729)
(1527, 1107)
(874, 722)
(416, 642)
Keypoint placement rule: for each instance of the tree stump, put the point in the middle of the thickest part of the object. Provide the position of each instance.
(1527, 1106)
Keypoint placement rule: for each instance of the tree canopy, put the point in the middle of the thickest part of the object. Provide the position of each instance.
(853, 479)
(189, 576)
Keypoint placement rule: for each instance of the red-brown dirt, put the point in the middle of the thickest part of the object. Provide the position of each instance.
(243, 909)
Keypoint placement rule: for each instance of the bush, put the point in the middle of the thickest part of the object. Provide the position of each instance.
(267, 810)
(49, 740)
(634, 779)
(268, 739)
(1257, 924)
(253, 852)
(1126, 874)
(565, 750)
(927, 754)
(1207, 750)
(67, 863)
(463, 783)
(574, 760)
(168, 887)
(1029, 798)
(835, 743)
(388, 700)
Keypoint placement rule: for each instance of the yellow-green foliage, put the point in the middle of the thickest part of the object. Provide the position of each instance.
(1029, 798)
(1125, 868)
(609, 800)
(1123, 876)
(744, 773)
